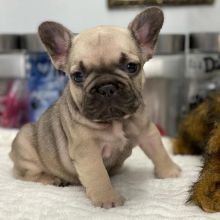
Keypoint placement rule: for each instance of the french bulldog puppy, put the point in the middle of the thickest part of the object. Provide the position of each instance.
(91, 129)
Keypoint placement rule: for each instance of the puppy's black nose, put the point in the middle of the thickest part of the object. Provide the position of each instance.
(107, 90)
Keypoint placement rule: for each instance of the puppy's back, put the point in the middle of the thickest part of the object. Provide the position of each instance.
(42, 147)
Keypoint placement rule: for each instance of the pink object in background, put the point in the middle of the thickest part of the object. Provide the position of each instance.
(161, 130)
(13, 104)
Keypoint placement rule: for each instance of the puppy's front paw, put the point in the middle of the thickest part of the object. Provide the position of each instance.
(167, 170)
(107, 200)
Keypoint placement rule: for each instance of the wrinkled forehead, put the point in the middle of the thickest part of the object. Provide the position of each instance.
(103, 45)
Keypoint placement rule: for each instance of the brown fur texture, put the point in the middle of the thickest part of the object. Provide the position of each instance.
(79, 141)
(199, 133)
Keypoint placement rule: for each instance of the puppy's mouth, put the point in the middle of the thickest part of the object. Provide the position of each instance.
(110, 101)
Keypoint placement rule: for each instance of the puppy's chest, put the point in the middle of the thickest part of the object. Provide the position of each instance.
(113, 140)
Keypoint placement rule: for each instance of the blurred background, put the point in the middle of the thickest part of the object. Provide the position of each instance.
(183, 72)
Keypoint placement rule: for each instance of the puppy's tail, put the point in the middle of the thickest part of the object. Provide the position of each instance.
(193, 131)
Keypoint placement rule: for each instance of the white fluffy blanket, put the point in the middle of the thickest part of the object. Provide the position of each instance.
(147, 197)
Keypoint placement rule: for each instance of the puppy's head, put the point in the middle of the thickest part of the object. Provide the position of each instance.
(105, 64)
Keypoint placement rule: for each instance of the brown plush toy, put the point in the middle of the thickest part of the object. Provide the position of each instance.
(199, 133)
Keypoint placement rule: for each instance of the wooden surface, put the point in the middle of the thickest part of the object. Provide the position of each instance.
(116, 3)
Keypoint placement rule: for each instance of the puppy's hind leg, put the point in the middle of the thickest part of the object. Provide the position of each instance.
(27, 165)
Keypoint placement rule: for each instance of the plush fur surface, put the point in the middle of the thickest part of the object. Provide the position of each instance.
(199, 133)
(147, 197)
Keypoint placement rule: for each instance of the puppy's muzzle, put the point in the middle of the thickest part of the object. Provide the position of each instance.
(110, 100)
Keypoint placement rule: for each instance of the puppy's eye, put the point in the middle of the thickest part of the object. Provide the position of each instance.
(78, 77)
(132, 68)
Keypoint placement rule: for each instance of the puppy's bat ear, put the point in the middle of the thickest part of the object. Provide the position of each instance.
(145, 29)
(57, 40)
